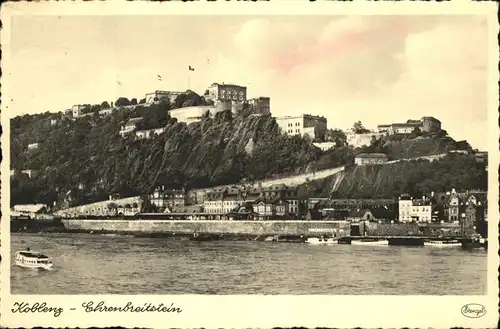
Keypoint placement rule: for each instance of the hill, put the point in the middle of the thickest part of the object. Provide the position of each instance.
(417, 177)
(86, 159)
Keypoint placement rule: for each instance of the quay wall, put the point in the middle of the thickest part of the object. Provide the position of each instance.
(413, 229)
(340, 228)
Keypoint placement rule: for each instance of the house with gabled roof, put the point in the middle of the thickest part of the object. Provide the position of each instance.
(271, 207)
(297, 206)
(357, 215)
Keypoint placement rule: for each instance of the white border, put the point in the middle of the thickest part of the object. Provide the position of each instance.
(252, 310)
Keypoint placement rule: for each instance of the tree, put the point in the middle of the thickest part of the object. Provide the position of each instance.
(203, 154)
(133, 101)
(122, 101)
(105, 105)
(358, 128)
(142, 101)
(415, 133)
(337, 136)
(112, 207)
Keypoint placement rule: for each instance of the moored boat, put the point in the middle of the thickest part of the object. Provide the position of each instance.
(370, 242)
(443, 243)
(484, 243)
(204, 237)
(472, 243)
(33, 259)
(321, 240)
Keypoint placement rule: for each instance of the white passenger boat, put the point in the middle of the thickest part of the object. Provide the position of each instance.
(370, 242)
(33, 259)
(323, 240)
(443, 243)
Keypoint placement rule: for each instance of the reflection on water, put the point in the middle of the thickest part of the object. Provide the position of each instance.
(94, 264)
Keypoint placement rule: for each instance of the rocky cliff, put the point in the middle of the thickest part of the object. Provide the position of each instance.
(87, 158)
(417, 177)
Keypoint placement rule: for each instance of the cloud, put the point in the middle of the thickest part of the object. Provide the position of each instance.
(375, 68)
(372, 68)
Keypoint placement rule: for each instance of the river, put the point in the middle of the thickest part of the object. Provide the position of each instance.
(96, 264)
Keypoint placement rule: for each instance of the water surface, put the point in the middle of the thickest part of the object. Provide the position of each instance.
(96, 264)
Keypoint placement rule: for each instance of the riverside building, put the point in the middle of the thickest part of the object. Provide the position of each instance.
(414, 210)
(171, 199)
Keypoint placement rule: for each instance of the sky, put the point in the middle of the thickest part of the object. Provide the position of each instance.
(376, 69)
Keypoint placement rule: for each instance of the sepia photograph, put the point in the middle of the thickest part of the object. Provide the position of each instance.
(258, 154)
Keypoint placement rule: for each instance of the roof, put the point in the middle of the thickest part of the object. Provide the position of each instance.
(32, 254)
(277, 187)
(430, 118)
(372, 155)
(270, 200)
(358, 212)
(410, 121)
(33, 208)
(164, 92)
(443, 198)
(405, 196)
(310, 116)
(383, 213)
(421, 202)
(226, 84)
(259, 98)
(134, 120)
(480, 197)
(402, 125)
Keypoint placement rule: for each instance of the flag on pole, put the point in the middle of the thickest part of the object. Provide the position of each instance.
(191, 68)
(159, 77)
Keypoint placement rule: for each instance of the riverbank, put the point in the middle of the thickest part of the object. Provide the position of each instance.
(415, 241)
(37, 226)
(402, 234)
(152, 226)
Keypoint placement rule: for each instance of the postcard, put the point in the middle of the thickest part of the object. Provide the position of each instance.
(247, 164)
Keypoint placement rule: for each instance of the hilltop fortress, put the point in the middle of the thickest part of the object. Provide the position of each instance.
(232, 97)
